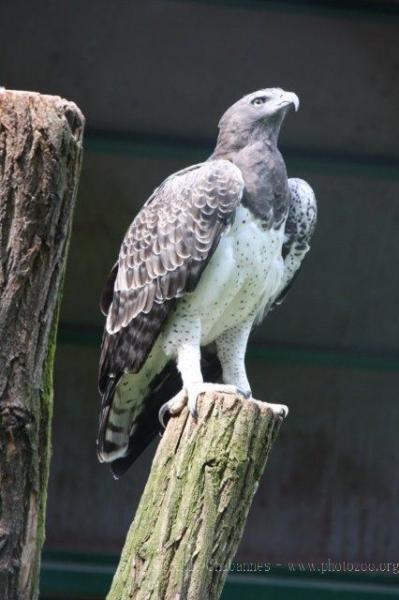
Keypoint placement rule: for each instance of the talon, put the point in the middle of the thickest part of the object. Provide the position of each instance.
(246, 393)
(284, 412)
(162, 412)
(280, 410)
(194, 413)
(173, 406)
(192, 403)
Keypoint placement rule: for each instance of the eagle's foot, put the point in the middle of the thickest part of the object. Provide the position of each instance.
(280, 410)
(174, 406)
(247, 394)
(197, 389)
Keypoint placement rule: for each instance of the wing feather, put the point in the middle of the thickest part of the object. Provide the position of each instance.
(162, 257)
(299, 229)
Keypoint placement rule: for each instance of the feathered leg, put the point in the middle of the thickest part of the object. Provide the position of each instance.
(189, 365)
(231, 348)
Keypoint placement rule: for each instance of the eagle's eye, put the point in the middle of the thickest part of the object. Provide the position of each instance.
(259, 101)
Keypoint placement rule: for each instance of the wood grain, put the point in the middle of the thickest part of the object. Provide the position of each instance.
(40, 157)
(193, 510)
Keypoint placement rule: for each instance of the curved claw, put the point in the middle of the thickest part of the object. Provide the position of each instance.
(162, 413)
(173, 406)
(247, 394)
(284, 412)
(192, 405)
(280, 409)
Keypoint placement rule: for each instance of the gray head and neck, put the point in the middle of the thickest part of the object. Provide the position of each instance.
(248, 137)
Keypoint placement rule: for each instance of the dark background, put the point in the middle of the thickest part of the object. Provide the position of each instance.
(152, 79)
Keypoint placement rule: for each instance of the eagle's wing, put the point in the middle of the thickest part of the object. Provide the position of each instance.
(299, 229)
(163, 254)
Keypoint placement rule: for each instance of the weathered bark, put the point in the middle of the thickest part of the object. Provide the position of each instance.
(40, 156)
(193, 510)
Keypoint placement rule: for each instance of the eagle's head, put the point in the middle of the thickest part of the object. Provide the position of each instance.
(258, 114)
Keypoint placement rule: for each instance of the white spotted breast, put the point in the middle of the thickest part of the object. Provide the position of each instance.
(239, 281)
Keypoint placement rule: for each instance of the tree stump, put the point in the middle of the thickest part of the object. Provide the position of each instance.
(40, 157)
(192, 514)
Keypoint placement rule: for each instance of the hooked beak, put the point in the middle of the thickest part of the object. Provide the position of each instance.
(288, 98)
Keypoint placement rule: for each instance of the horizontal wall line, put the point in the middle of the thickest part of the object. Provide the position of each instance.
(350, 9)
(369, 360)
(73, 575)
(197, 150)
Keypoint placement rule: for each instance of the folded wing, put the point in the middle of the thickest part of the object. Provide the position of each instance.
(162, 256)
(299, 229)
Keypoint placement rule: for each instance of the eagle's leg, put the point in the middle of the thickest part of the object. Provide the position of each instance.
(183, 344)
(189, 365)
(231, 347)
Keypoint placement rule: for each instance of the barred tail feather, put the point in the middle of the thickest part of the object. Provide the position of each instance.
(123, 402)
(125, 431)
(115, 425)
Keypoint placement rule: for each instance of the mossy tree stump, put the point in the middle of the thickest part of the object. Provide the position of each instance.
(192, 514)
(40, 156)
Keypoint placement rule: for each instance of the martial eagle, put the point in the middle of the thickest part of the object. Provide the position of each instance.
(214, 248)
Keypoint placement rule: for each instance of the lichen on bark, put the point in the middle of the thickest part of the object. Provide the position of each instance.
(192, 513)
(40, 157)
